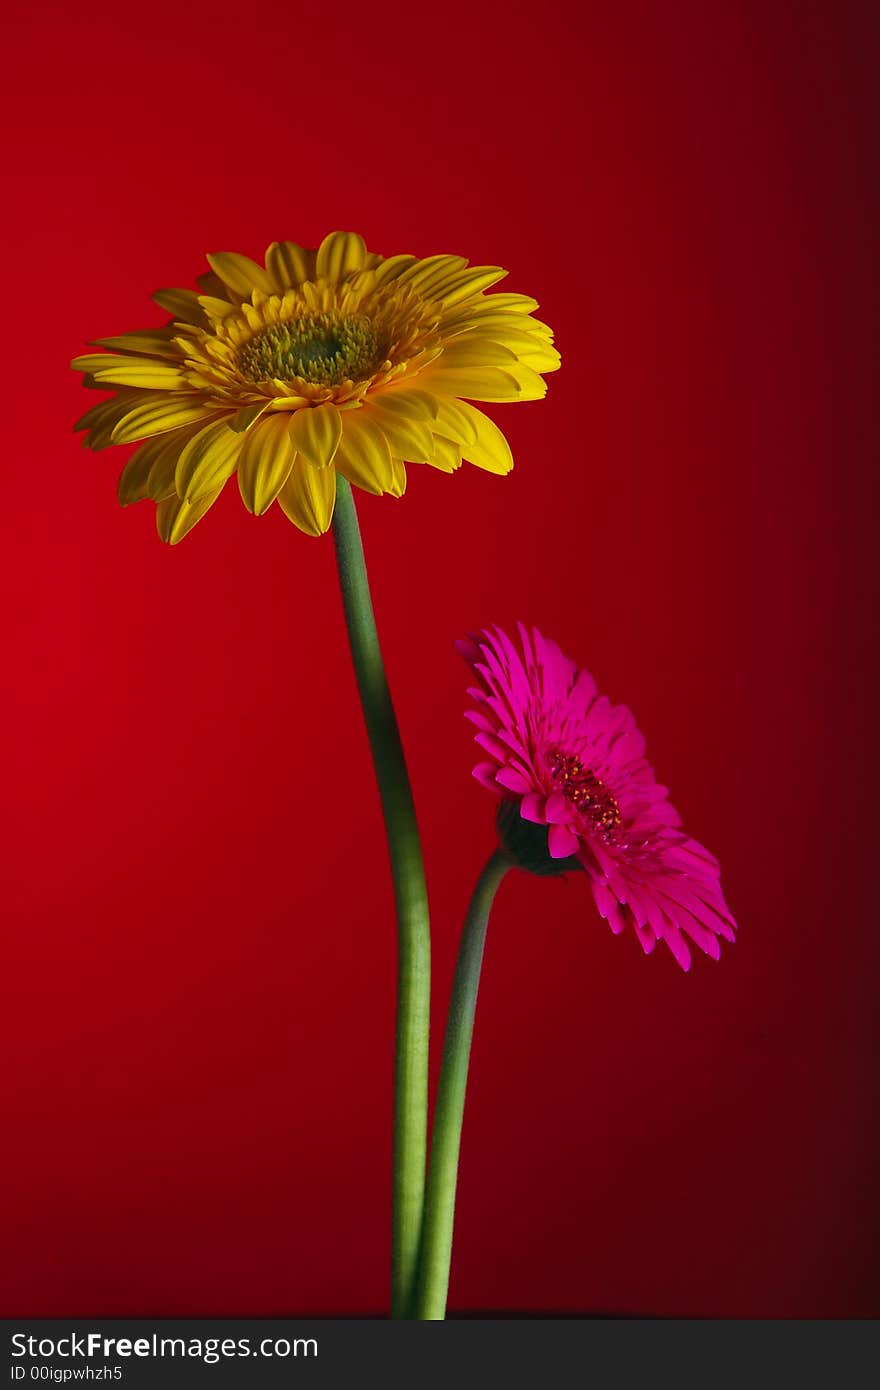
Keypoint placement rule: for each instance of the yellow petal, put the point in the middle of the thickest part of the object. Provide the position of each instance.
(363, 457)
(150, 470)
(101, 419)
(453, 420)
(505, 327)
(407, 438)
(535, 349)
(513, 382)
(475, 351)
(153, 342)
(158, 416)
(429, 276)
(490, 449)
(287, 403)
(316, 434)
(540, 357)
(211, 284)
(446, 456)
(472, 282)
(245, 418)
(264, 463)
(174, 517)
(132, 486)
(216, 308)
(92, 362)
(532, 386)
(144, 372)
(96, 413)
(407, 401)
(288, 265)
(168, 448)
(240, 273)
(308, 497)
(207, 460)
(339, 253)
(182, 305)
(392, 268)
(477, 383)
(398, 478)
(157, 467)
(515, 303)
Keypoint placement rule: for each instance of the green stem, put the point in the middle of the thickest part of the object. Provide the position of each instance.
(411, 899)
(449, 1110)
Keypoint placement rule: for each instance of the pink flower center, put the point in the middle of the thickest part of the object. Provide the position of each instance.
(586, 792)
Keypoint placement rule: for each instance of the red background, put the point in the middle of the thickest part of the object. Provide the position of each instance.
(199, 948)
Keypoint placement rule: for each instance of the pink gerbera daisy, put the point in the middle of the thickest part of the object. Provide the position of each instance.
(578, 793)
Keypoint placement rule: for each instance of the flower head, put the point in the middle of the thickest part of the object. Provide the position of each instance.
(577, 792)
(326, 361)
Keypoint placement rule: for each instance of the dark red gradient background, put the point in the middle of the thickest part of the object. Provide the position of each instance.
(199, 953)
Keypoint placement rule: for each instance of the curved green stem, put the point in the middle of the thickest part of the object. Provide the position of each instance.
(449, 1110)
(411, 899)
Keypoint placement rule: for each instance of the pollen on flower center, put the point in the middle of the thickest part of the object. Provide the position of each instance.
(324, 348)
(587, 793)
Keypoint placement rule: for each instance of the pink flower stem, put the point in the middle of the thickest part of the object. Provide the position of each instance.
(449, 1111)
(411, 899)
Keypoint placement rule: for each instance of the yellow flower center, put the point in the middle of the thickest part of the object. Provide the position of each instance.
(323, 348)
(587, 793)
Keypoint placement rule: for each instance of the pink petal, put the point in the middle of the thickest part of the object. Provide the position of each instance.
(604, 899)
(700, 935)
(630, 747)
(492, 745)
(616, 919)
(514, 781)
(532, 808)
(559, 810)
(467, 648)
(485, 774)
(514, 742)
(645, 937)
(677, 945)
(481, 720)
(585, 687)
(561, 842)
(529, 698)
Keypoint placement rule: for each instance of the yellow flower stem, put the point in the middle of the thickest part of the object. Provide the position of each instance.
(411, 899)
(449, 1109)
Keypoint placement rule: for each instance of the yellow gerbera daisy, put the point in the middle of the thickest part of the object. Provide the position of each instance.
(323, 361)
